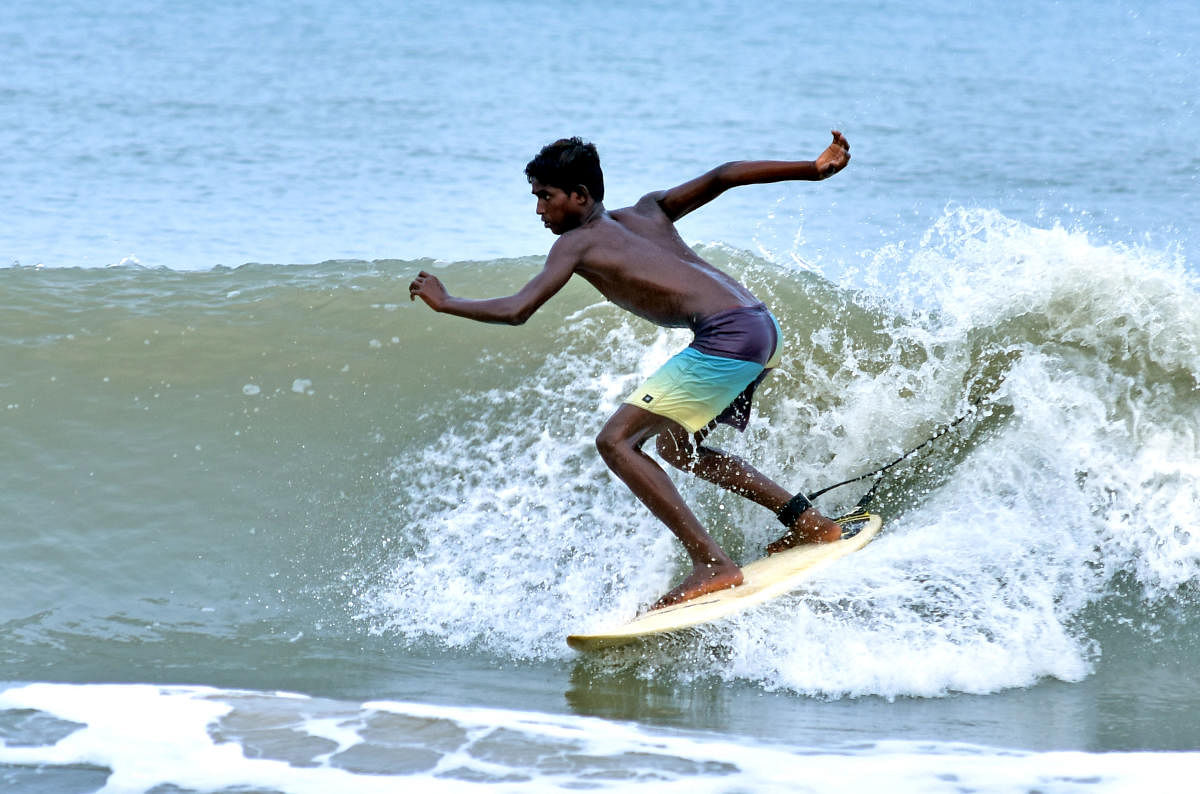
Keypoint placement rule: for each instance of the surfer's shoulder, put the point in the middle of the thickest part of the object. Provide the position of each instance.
(650, 204)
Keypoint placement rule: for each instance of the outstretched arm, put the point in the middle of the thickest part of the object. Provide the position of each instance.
(679, 201)
(512, 310)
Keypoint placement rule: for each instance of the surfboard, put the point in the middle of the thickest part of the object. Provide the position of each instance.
(764, 579)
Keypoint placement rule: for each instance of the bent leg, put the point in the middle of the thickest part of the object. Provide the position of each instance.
(734, 474)
(620, 445)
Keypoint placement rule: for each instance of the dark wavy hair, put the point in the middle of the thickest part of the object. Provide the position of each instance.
(566, 164)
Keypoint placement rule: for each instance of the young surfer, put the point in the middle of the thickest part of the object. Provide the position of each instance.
(636, 259)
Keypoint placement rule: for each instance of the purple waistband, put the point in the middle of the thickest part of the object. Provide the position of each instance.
(746, 333)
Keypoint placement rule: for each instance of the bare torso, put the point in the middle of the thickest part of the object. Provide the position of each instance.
(636, 259)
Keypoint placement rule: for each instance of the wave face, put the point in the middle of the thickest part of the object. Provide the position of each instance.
(304, 446)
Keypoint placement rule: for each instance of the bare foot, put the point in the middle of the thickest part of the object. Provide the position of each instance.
(704, 579)
(810, 527)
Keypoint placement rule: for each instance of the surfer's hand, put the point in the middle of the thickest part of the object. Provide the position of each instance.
(835, 157)
(428, 288)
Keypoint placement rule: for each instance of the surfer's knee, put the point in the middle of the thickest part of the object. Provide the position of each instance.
(611, 444)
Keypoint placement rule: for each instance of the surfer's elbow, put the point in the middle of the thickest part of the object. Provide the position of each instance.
(519, 312)
(519, 317)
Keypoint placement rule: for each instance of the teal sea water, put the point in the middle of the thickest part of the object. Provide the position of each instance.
(268, 526)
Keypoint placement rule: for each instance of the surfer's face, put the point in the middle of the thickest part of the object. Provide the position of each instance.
(559, 210)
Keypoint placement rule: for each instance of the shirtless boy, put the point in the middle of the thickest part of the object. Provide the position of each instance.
(636, 259)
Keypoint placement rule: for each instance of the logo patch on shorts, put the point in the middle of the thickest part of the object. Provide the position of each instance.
(648, 399)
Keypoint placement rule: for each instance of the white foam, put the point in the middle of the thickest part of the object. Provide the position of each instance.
(157, 736)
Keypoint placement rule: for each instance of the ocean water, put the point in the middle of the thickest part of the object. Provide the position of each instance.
(266, 525)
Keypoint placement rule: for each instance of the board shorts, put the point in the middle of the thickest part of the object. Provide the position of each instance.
(713, 379)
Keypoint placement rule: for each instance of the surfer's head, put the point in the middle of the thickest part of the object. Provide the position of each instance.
(567, 180)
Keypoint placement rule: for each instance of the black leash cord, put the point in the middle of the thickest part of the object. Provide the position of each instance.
(878, 473)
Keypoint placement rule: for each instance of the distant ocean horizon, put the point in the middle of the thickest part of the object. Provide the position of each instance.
(281, 133)
(269, 525)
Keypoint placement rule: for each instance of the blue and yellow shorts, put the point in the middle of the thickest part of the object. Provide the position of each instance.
(714, 378)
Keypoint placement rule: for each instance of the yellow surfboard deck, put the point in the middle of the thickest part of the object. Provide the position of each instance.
(765, 579)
